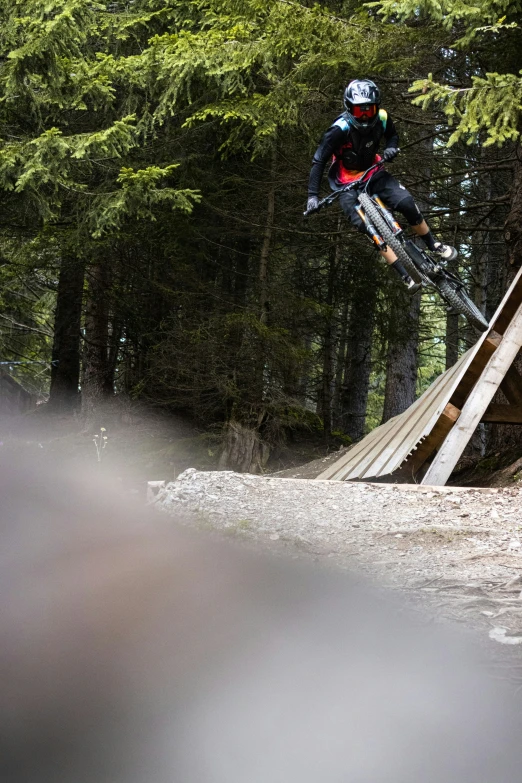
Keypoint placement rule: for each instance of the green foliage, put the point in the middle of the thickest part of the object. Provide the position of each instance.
(489, 107)
(140, 196)
(63, 123)
(448, 13)
(151, 139)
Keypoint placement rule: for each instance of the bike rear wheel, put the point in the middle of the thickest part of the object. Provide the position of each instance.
(458, 299)
(375, 216)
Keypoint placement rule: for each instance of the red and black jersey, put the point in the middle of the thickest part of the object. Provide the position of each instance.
(352, 151)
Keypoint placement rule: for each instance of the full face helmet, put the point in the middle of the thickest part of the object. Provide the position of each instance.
(362, 98)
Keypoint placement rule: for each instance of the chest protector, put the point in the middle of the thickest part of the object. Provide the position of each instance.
(359, 150)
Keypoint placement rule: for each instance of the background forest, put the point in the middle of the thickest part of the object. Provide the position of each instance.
(154, 157)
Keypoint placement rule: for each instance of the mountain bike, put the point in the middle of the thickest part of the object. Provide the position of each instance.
(384, 231)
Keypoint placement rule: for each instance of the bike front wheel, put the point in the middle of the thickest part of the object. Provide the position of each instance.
(375, 216)
(458, 299)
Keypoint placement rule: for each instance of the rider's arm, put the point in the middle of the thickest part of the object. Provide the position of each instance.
(332, 141)
(391, 136)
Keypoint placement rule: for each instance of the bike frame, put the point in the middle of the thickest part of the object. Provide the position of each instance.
(357, 185)
(432, 272)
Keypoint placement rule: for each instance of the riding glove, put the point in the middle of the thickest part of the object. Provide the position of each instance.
(390, 154)
(312, 203)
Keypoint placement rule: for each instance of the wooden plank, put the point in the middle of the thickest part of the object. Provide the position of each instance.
(420, 424)
(503, 414)
(396, 439)
(509, 305)
(335, 470)
(415, 425)
(474, 371)
(477, 403)
(394, 442)
(389, 446)
(511, 386)
(429, 445)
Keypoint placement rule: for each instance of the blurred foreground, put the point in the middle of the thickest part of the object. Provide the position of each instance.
(132, 651)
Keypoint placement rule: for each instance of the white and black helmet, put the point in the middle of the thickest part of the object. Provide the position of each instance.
(362, 99)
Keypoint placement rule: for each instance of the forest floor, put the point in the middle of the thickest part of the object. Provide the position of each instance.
(456, 550)
(143, 442)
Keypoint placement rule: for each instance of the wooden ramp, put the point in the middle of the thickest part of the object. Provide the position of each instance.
(424, 443)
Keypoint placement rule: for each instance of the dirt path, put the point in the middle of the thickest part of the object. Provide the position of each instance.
(459, 549)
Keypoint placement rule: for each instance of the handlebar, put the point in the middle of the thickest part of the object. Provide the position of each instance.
(325, 202)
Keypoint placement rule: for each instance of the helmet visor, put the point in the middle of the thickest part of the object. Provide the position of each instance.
(364, 111)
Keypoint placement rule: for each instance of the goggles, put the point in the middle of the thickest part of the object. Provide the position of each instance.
(364, 111)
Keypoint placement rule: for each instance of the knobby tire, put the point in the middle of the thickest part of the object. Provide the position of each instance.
(457, 299)
(375, 217)
(460, 301)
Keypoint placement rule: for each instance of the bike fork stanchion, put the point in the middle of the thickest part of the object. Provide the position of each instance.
(372, 231)
(388, 215)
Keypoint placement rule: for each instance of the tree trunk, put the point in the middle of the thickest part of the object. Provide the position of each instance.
(452, 329)
(115, 336)
(401, 359)
(354, 392)
(513, 225)
(243, 448)
(508, 437)
(267, 240)
(65, 371)
(339, 368)
(329, 341)
(96, 383)
(452, 339)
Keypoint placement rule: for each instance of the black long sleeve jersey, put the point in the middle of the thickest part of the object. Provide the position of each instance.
(350, 149)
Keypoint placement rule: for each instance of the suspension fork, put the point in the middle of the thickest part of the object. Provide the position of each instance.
(370, 229)
(396, 227)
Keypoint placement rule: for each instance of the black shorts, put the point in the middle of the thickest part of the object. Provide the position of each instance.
(394, 195)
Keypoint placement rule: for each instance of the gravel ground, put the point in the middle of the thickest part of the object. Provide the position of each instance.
(457, 549)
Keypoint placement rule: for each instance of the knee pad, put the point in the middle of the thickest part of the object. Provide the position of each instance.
(410, 210)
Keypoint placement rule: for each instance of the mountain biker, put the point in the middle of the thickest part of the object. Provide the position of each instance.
(353, 141)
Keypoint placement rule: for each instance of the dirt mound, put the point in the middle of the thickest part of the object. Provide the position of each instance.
(461, 549)
(310, 470)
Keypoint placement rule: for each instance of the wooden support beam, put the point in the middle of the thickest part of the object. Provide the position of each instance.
(477, 402)
(475, 369)
(510, 305)
(422, 440)
(512, 386)
(503, 414)
(429, 445)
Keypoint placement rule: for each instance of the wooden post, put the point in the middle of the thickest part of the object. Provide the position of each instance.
(476, 404)
(447, 419)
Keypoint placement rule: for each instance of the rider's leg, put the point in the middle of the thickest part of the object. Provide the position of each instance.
(347, 201)
(446, 252)
(394, 263)
(397, 197)
(423, 232)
